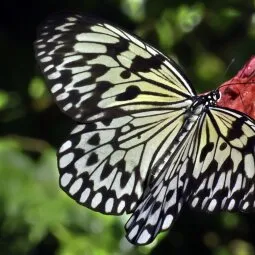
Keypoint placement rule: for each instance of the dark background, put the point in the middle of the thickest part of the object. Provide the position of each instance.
(36, 217)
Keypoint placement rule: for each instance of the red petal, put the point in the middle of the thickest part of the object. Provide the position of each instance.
(239, 92)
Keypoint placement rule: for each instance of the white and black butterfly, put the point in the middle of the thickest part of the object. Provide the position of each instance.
(144, 143)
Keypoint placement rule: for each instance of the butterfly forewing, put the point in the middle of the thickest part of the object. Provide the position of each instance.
(98, 71)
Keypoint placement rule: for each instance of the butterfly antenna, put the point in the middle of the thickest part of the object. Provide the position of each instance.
(234, 83)
(227, 69)
(229, 65)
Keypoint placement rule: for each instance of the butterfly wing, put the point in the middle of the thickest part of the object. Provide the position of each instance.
(212, 169)
(105, 165)
(131, 98)
(97, 71)
(164, 198)
(224, 170)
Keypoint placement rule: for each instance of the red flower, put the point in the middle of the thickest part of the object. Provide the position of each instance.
(239, 92)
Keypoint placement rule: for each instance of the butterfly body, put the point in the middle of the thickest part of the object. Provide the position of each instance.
(193, 112)
(144, 141)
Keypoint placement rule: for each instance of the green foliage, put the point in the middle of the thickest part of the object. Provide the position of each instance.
(33, 206)
(36, 217)
(4, 98)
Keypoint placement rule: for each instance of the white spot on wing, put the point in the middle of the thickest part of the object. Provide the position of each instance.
(62, 96)
(77, 129)
(85, 194)
(144, 237)
(71, 59)
(65, 179)
(71, 19)
(65, 27)
(249, 165)
(133, 205)
(167, 222)
(121, 206)
(56, 87)
(67, 106)
(96, 37)
(109, 205)
(54, 75)
(90, 47)
(46, 59)
(47, 68)
(65, 160)
(40, 53)
(231, 204)
(133, 232)
(194, 202)
(212, 205)
(76, 186)
(238, 183)
(95, 117)
(101, 29)
(96, 200)
(245, 206)
(41, 46)
(54, 38)
(223, 202)
(65, 146)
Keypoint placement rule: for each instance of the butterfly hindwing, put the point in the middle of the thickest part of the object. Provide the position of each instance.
(213, 169)
(97, 71)
(224, 169)
(105, 165)
(164, 198)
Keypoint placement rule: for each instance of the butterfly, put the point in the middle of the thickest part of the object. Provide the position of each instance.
(144, 142)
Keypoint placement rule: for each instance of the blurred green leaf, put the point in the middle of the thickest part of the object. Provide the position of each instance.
(222, 251)
(209, 69)
(189, 17)
(240, 247)
(134, 9)
(4, 98)
(36, 88)
(32, 200)
(230, 220)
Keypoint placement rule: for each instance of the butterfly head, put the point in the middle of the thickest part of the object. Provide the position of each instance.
(213, 97)
(203, 101)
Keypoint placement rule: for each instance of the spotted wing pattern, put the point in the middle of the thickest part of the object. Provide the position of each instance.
(164, 198)
(105, 165)
(224, 174)
(97, 71)
(212, 169)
